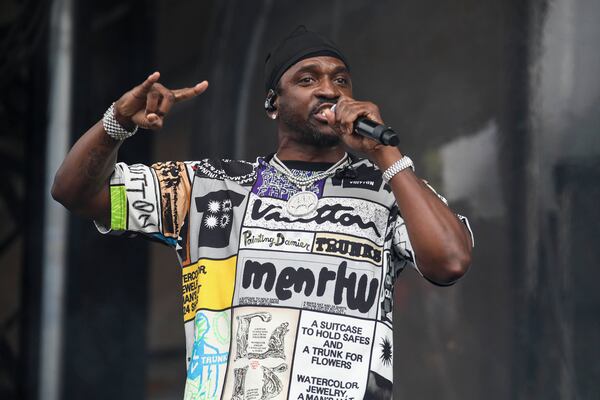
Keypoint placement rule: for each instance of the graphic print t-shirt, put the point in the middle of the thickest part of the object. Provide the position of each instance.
(275, 306)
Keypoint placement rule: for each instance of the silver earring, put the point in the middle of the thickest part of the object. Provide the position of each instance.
(274, 115)
(269, 100)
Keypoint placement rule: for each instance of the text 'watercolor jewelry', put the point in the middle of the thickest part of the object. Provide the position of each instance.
(113, 128)
(305, 202)
(401, 164)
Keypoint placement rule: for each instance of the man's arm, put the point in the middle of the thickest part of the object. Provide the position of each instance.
(441, 242)
(81, 183)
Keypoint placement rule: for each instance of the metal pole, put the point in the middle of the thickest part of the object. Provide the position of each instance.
(55, 219)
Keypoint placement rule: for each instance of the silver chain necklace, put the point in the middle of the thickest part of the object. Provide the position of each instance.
(304, 202)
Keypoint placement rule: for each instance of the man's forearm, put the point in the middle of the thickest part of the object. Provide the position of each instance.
(84, 173)
(441, 243)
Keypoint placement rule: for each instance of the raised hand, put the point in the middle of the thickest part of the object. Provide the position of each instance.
(342, 120)
(147, 104)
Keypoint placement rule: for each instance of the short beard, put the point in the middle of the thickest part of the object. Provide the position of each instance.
(307, 133)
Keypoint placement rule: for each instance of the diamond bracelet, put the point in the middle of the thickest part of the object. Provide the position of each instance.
(113, 128)
(401, 164)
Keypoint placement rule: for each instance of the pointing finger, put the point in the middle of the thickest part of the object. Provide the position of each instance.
(142, 90)
(188, 93)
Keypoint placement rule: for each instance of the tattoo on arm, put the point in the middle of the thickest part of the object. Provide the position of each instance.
(99, 165)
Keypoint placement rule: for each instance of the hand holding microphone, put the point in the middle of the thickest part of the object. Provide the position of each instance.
(381, 133)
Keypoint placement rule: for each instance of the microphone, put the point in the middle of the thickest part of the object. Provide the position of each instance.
(371, 129)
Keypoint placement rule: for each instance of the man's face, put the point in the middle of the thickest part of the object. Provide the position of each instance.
(305, 90)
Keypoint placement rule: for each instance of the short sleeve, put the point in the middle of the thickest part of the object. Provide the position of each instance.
(149, 200)
(403, 254)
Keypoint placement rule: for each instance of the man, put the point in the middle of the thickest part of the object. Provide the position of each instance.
(288, 263)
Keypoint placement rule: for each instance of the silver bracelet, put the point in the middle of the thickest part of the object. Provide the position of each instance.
(401, 164)
(113, 128)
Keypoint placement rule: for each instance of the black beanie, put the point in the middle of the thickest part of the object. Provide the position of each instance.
(300, 44)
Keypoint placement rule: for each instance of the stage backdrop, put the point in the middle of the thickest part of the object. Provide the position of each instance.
(495, 101)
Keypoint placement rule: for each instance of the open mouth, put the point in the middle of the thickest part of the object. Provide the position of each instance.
(319, 113)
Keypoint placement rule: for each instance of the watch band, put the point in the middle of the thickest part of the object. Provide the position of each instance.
(401, 164)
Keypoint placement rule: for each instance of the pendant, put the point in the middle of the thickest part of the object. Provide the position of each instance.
(302, 203)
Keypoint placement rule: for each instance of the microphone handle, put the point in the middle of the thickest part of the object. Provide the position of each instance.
(381, 133)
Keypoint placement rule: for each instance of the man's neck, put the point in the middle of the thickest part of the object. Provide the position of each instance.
(292, 150)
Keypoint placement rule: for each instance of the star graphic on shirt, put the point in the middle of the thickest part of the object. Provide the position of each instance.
(214, 206)
(386, 352)
(211, 221)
